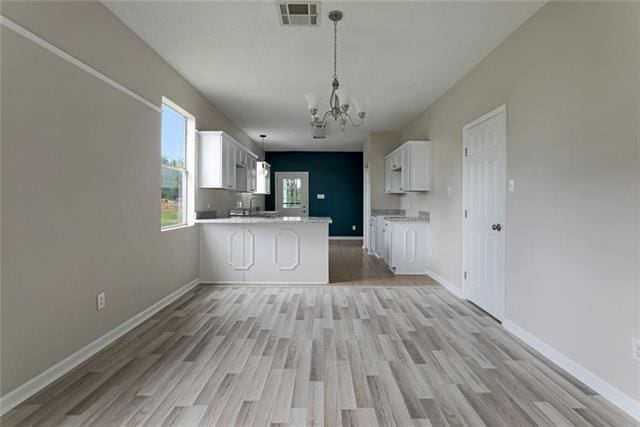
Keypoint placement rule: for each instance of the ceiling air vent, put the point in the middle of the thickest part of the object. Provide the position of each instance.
(299, 13)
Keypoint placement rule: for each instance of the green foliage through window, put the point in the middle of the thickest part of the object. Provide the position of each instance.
(173, 167)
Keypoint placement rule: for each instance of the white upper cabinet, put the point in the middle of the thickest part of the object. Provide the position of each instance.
(223, 163)
(407, 168)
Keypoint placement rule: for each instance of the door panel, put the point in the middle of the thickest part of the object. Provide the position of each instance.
(292, 193)
(484, 218)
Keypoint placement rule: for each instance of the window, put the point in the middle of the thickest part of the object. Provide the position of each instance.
(291, 188)
(176, 188)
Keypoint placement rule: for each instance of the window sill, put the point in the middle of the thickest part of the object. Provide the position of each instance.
(177, 227)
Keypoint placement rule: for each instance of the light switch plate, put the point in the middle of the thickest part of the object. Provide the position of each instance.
(512, 185)
(101, 301)
(449, 190)
(320, 196)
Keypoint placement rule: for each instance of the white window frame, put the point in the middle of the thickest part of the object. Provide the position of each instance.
(188, 176)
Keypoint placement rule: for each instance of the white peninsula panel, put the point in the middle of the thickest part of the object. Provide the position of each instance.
(288, 250)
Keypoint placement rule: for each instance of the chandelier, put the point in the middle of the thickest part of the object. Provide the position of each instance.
(339, 99)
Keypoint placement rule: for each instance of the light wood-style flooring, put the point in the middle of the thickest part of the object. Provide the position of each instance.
(343, 355)
(349, 265)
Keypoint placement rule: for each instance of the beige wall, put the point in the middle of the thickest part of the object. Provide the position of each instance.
(81, 184)
(570, 78)
(376, 146)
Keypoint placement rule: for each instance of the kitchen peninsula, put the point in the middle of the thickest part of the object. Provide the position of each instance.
(264, 250)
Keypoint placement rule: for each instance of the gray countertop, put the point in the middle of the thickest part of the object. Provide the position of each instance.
(268, 220)
(407, 218)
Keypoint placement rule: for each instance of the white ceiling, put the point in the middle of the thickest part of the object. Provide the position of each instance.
(398, 56)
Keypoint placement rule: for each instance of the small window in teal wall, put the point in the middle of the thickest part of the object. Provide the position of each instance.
(291, 188)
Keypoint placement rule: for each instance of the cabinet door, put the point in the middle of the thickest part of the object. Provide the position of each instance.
(210, 160)
(387, 174)
(380, 237)
(372, 234)
(418, 161)
(231, 171)
(252, 174)
(225, 163)
(388, 239)
(405, 163)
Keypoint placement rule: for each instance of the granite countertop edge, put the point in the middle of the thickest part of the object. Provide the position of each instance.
(265, 220)
(407, 218)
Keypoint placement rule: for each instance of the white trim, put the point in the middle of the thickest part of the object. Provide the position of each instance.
(345, 237)
(176, 227)
(74, 61)
(485, 117)
(276, 260)
(188, 200)
(455, 290)
(28, 389)
(240, 282)
(602, 387)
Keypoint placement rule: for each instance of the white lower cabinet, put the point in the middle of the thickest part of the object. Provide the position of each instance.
(264, 253)
(405, 246)
(379, 246)
(372, 236)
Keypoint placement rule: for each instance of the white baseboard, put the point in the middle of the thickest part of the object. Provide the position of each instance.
(606, 390)
(448, 285)
(28, 389)
(345, 237)
(241, 283)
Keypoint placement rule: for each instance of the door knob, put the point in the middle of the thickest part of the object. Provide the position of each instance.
(496, 227)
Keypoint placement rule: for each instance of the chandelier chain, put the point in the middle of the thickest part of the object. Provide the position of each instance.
(335, 49)
(339, 105)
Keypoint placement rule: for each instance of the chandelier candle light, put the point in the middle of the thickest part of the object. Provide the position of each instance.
(339, 100)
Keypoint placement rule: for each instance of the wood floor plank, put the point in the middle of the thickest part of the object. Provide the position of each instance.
(307, 355)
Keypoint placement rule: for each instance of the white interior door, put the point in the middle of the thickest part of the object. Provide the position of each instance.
(485, 153)
(292, 193)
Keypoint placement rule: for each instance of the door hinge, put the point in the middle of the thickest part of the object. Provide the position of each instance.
(466, 152)
(465, 213)
(465, 275)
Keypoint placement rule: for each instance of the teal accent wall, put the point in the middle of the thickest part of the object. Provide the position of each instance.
(337, 175)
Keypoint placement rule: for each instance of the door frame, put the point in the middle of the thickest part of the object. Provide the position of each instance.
(279, 190)
(366, 219)
(502, 109)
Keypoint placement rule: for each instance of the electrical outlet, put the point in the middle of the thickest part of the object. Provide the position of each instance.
(101, 301)
(353, 227)
(635, 349)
